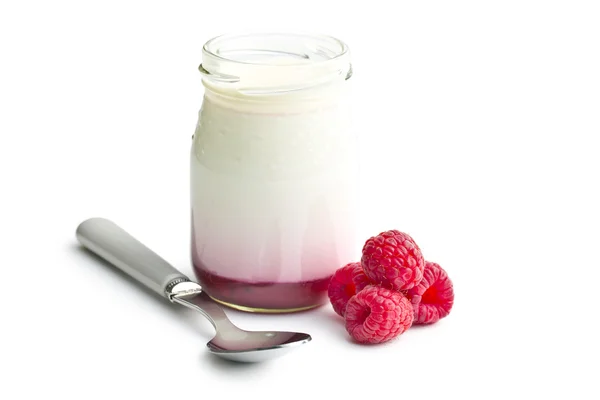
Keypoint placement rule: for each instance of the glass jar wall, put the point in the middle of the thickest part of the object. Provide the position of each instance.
(273, 166)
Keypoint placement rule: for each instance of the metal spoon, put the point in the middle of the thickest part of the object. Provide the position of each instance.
(116, 246)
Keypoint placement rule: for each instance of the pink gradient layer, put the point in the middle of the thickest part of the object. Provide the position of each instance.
(300, 245)
(273, 268)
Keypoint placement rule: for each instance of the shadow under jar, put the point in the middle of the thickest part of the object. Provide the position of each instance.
(273, 170)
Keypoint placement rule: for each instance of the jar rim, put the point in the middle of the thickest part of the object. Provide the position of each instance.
(265, 64)
(213, 47)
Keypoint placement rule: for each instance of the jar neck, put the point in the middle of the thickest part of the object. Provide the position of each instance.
(267, 70)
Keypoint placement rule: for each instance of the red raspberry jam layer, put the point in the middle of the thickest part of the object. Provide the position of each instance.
(264, 296)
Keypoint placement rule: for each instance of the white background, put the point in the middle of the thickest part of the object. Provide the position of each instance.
(479, 122)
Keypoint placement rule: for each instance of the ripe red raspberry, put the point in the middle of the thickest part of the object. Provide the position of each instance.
(345, 283)
(393, 260)
(433, 297)
(376, 315)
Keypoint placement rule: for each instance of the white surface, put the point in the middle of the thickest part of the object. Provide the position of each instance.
(480, 123)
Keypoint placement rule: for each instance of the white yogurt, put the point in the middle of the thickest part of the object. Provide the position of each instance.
(272, 189)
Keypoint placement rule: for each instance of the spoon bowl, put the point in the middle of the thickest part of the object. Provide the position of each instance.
(272, 345)
(233, 343)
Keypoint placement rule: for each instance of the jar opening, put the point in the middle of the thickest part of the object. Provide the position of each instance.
(263, 63)
(275, 49)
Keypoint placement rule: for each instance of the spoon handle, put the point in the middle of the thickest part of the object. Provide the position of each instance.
(112, 243)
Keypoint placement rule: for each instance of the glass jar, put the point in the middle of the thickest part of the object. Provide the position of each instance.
(272, 171)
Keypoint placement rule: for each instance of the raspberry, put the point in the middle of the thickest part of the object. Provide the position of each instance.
(376, 315)
(393, 260)
(433, 297)
(345, 283)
